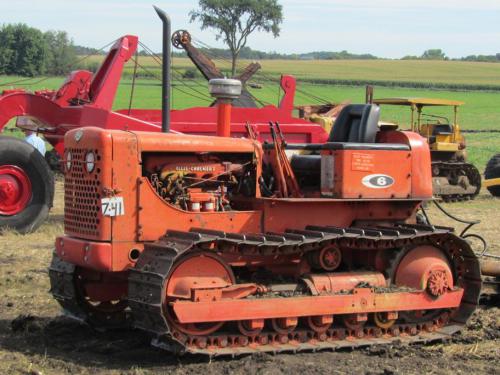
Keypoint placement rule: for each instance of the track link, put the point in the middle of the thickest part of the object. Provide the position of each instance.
(147, 280)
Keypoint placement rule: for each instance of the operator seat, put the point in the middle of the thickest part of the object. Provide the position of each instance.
(442, 129)
(356, 123)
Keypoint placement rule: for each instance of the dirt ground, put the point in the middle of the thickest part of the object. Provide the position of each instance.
(36, 339)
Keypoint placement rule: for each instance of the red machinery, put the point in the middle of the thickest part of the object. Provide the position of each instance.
(225, 246)
(86, 100)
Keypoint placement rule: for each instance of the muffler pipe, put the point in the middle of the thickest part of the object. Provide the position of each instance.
(166, 71)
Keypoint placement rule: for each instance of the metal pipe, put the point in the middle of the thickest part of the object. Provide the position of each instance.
(224, 108)
(166, 78)
(490, 268)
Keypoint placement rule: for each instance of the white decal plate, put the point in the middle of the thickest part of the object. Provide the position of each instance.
(112, 206)
(377, 181)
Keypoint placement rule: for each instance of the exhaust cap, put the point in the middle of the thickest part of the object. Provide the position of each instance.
(225, 88)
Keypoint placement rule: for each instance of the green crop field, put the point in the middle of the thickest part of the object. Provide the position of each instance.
(449, 72)
(481, 111)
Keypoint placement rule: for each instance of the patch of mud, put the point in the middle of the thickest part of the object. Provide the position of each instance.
(68, 346)
(483, 325)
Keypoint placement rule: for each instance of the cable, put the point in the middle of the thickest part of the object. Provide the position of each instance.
(202, 95)
(79, 60)
(469, 225)
(133, 83)
(17, 81)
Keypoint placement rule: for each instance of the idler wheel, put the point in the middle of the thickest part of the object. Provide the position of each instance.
(319, 324)
(201, 270)
(426, 268)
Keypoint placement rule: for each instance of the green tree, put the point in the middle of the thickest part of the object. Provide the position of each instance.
(434, 54)
(22, 50)
(235, 20)
(60, 52)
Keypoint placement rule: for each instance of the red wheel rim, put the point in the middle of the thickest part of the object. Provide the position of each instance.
(15, 190)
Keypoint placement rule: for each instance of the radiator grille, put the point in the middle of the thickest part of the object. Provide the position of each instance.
(82, 196)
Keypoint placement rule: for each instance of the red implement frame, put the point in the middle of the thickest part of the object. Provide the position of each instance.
(86, 100)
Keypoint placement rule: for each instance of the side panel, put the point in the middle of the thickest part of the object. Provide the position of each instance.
(126, 171)
(155, 217)
(374, 174)
(282, 214)
(421, 181)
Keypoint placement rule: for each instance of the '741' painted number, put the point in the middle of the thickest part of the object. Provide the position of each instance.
(112, 206)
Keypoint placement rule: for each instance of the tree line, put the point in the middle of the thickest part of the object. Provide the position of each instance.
(438, 54)
(27, 51)
(251, 54)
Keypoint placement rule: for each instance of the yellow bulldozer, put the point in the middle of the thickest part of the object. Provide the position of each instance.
(454, 179)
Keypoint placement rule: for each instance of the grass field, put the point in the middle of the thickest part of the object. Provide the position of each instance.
(481, 111)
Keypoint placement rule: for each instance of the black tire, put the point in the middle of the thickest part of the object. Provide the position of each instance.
(493, 171)
(16, 152)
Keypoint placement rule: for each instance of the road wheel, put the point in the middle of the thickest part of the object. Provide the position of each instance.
(493, 171)
(26, 186)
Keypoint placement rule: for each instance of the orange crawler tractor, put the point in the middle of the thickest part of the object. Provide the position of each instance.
(226, 246)
(219, 245)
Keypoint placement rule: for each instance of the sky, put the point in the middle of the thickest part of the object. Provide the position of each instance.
(385, 28)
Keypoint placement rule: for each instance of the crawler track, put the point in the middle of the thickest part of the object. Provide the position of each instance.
(64, 288)
(456, 192)
(147, 280)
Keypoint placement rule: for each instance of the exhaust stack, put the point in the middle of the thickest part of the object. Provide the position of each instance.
(225, 91)
(166, 79)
